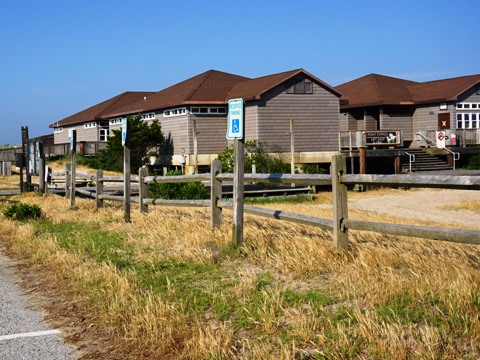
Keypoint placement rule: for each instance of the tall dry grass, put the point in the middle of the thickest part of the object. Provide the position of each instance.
(288, 293)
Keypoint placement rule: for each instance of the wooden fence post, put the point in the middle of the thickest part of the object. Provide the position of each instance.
(73, 175)
(99, 188)
(126, 174)
(340, 204)
(215, 194)
(142, 189)
(68, 180)
(238, 191)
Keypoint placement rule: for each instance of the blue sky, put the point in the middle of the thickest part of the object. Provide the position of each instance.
(60, 57)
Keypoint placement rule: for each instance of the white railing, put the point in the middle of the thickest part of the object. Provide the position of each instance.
(411, 159)
(455, 155)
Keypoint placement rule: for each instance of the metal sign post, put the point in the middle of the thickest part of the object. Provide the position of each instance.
(235, 131)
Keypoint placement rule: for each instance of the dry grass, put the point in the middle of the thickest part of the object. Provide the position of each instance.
(166, 286)
(470, 205)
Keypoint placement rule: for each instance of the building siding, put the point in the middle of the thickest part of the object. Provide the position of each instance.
(397, 121)
(251, 123)
(211, 133)
(176, 128)
(315, 116)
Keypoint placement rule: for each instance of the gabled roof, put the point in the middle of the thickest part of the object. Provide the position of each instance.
(253, 89)
(209, 87)
(374, 89)
(215, 87)
(97, 112)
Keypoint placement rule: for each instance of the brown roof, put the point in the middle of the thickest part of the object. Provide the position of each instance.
(214, 87)
(209, 87)
(97, 112)
(377, 89)
(254, 88)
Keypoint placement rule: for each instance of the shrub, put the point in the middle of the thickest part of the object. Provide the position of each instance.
(474, 162)
(178, 191)
(21, 211)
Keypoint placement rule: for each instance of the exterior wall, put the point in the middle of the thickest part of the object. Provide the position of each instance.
(90, 134)
(176, 127)
(251, 121)
(469, 96)
(348, 122)
(369, 122)
(397, 121)
(211, 133)
(316, 119)
(426, 118)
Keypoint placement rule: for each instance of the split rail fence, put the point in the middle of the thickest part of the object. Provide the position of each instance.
(339, 180)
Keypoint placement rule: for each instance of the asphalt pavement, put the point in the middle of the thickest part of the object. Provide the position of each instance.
(23, 333)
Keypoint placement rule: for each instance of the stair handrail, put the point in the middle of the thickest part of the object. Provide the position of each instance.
(455, 158)
(411, 159)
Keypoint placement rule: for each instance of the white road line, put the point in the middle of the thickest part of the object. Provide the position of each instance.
(30, 334)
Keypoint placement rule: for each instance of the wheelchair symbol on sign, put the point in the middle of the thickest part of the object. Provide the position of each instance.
(235, 126)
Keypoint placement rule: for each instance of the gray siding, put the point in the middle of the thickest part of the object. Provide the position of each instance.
(469, 96)
(426, 117)
(251, 123)
(176, 128)
(397, 121)
(315, 115)
(83, 134)
(211, 133)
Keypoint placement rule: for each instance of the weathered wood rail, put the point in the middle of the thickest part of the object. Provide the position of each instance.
(340, 224)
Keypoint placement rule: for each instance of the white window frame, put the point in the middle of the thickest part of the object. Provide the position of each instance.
(58, 130)
(148, 116)
(465, 120)
(467, 106)
(175, 112)
(90, 125)
(115, 121)
(208, 110)
(106, 134)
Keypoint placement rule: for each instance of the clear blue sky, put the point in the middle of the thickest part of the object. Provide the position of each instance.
(60, 57)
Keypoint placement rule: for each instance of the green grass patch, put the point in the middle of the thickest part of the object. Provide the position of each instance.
(289, 199)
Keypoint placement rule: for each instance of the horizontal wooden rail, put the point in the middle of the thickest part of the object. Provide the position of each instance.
(118, 179)
(177, 178)
(424, 232)
(326, 224)
(182, 203)
(414, 180)
(301, 179)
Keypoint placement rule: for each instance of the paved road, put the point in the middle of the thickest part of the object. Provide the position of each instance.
(23, 334)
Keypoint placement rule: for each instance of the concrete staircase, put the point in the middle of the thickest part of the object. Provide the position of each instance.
(424, 162)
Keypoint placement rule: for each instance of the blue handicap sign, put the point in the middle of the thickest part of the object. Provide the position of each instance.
(235, 125)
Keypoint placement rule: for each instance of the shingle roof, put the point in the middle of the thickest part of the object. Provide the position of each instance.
(97, 112)
(377, 89)
(209, 87)
(214, 87)
(254, 88)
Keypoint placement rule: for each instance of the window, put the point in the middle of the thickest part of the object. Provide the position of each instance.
(174, 112)
(467, 106)
(89, 125)
(103, 134)
(58, 130)
(304, 86)
(468, 120)
(115, 121)
(205, 110)
(148, 116)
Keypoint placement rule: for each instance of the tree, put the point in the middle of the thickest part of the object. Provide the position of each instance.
(145, 141)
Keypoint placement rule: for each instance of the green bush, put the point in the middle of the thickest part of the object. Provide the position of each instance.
(21, 211)
(474, 163)
(178, 191)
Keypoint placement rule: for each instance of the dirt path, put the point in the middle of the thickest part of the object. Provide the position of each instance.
(422, 204)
